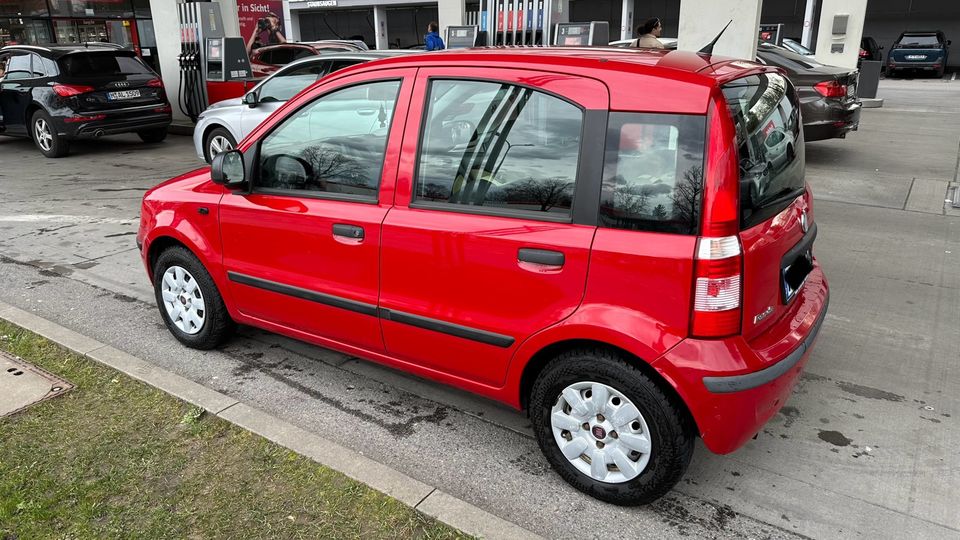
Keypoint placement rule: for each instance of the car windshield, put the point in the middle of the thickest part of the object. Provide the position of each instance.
(785, 58)
(97, 64)
(796, 47)
(924, 40)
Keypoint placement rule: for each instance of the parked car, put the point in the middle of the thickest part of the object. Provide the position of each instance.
(267, 60)
(222, 124)
(438, 214)
(828, 94)
(796, 46)
(924, 51)
(57, 93)
(869, 50)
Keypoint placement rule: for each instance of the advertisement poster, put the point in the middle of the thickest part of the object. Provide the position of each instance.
(261, 23)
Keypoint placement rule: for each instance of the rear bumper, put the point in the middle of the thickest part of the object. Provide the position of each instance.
(829, 119)
(112, 123)
(733, 389)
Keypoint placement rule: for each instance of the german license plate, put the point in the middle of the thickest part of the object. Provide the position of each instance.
(123, 94)
(916, 57)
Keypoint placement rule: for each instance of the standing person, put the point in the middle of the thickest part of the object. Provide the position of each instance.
(269, 31)
(433, 40)
(649, 31)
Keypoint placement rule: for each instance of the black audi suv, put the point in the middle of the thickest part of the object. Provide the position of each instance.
(56, 93)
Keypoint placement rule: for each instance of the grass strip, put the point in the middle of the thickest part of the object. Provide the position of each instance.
(116, 458)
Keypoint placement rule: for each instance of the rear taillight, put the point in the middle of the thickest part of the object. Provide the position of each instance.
(68, 90)
(717, 268)
(155, 83)
(864, 53)
(831, 89)
(717, 287)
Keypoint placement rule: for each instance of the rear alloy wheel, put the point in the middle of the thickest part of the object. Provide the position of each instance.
(217, 141)
(608, 429)
(189, 302)
(153, 135)
(45, 136)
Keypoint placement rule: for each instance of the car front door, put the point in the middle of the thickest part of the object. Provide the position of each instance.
(16, 86)
(277, 90)
(302, 247)
(497, 197)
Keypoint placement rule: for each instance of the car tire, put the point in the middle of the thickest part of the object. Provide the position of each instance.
(940, 72)
(220, 138)
(45, 136)
(181, 281)
(888, 73)
(659, 451)
(153, 135)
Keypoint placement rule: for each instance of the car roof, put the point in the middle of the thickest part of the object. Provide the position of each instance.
(921, 33)
(365, 56)
(56, 50)
(653, 80)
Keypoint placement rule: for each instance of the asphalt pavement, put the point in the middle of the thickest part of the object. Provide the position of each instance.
(866, 446)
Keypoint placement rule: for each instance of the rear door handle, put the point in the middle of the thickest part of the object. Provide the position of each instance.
(351, 232)
(543, 257)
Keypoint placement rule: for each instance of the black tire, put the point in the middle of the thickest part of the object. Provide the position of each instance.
(216, 132)
(153, 135)
(217, 326)
(57, 145)
(889, 73)
(671, 435)
(940, 72)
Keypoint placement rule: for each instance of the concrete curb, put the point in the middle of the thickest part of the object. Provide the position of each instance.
(425, 498)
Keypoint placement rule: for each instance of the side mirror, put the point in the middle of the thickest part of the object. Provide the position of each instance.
(227, 169)
(251, 99)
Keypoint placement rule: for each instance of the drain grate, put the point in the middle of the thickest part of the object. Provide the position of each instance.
(22, 385)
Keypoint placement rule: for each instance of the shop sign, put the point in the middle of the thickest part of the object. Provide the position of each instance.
(322, 3)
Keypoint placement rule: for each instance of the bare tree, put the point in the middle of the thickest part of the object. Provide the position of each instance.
(329, 164)
(548, 192)
(686, 197)
(660, 212)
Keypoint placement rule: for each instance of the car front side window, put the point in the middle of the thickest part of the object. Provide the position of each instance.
(283, 86)
(334, 146)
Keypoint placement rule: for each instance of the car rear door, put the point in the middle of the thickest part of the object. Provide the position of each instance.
(302, 248)
(496, 211)
(16, 88)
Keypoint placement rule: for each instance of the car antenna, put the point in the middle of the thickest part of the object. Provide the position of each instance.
(708, 48)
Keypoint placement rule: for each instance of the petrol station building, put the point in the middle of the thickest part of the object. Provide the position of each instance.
(833, 28)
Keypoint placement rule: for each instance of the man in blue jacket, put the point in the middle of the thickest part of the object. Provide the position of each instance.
(433, 40)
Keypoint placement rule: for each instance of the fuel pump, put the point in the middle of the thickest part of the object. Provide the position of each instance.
(213, 67)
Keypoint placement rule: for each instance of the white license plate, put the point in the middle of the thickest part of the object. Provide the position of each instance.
(916, 57)
(123, 94)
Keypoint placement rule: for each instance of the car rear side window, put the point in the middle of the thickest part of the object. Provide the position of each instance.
(102, 64)
(766, 112)
(653, 172)
(498, 146)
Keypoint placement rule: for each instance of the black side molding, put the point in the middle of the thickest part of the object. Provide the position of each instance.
(443, 327)
(306, 294)
(739, 383)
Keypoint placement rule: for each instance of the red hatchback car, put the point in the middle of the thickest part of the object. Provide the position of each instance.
(618, 242)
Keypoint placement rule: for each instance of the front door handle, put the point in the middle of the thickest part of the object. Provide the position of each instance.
(349, 232)
(543, 257)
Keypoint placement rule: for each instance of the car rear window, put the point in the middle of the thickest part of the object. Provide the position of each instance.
(653, 172)
(766, 112)
(99, 64)
(928, 40)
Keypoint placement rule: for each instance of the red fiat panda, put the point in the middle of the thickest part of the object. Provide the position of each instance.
(619, 242)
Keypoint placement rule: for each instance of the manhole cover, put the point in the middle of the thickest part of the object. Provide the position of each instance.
(22, 385)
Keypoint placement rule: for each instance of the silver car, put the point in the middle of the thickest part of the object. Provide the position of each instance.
(226, 122)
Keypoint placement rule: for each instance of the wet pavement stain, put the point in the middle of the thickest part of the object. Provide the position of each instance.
(834, 437)
(130, 233)
(792, 413)
(868, 392)
(934, 420)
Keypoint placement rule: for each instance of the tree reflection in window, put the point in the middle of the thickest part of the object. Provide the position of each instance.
(498, 145)
(653, 170)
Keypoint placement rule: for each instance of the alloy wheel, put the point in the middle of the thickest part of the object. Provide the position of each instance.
(41, 130)
(183, 300)
(219, 144)
(601, 432)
